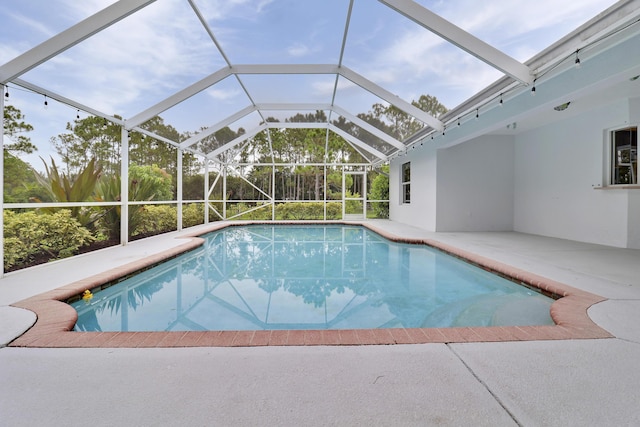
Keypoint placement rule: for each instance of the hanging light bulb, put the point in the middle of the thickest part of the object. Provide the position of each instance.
(577, 61)
(477, 113)
(46, 103)
(6, 93)
(501, 102)
(78, 114)
(533, 89)
(458, 121)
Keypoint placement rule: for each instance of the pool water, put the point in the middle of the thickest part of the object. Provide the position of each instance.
(310, 277)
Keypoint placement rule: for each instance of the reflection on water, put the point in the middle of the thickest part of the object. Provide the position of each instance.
(309, 277)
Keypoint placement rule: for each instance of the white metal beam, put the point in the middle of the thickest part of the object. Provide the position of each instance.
(284, 69)
(355, 141)
(293, 107)
(391, 98)
(178, 97)
(215, 128)
(229, 145)
(64, 100)
(369, 128)
(465, 41)
(339, 110)
(297, 125)
(70, 37)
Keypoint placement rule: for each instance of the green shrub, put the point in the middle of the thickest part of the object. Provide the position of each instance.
(145, 183)
(291, 211)
(62, 187)
(192, 214)
(30, 236)
(156, 219)
(334, 210)
(158, 182)
(380, 191)
(262, 214)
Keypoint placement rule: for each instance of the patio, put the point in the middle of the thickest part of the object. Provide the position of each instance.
(565, 382)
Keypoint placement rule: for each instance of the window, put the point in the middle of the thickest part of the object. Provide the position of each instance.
(624, 156)
(406, 182)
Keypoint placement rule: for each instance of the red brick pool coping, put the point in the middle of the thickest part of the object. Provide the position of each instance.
(56, 319)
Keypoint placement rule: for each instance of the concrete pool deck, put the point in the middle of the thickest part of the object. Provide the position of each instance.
(544, 382)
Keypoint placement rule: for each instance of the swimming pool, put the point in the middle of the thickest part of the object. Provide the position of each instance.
(274, 277)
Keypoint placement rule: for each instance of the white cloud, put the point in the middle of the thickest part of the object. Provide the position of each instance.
(34, 25)
(224, 9)
(416, 58)
(325, 87)
(509, 24)
(298, 49)
(144, 57)
(223, 94)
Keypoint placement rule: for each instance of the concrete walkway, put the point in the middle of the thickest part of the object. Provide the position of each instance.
(540, 383)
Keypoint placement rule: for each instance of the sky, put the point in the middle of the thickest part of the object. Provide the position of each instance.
(162, 48)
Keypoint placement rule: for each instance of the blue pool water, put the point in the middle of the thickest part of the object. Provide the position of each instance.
(309, 277)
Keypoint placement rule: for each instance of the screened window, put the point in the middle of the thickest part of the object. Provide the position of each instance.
(406, 182)
(624, 156)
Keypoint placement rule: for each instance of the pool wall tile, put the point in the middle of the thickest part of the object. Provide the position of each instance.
(349, 337)
(242, 339)
(260, 338)
(400, 336)
(295, 337)
(279, 338)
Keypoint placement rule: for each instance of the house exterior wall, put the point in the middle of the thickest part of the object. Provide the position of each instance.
(421, 212)
(544, 181)
(475, 185)
(557, 168)
(633, 220)
(468, 187)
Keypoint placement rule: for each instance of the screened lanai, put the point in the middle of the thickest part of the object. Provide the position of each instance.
(259, 110)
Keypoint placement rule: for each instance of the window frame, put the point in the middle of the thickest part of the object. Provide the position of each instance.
(405, 185)
(613, 156)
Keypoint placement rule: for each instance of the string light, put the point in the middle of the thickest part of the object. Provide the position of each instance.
(78, 114)
(458, 121)
(477, 113)
(501, 102)
(533, 89)
(46, 103)
(6, 93)
(577, 61)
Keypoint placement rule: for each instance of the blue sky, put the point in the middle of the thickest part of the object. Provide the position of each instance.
(152, 54)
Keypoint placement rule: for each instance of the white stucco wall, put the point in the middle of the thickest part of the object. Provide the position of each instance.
(539, 182)
(468, 187)
(556, 168)
(633, 220)
(421, 212)
(475, 185)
